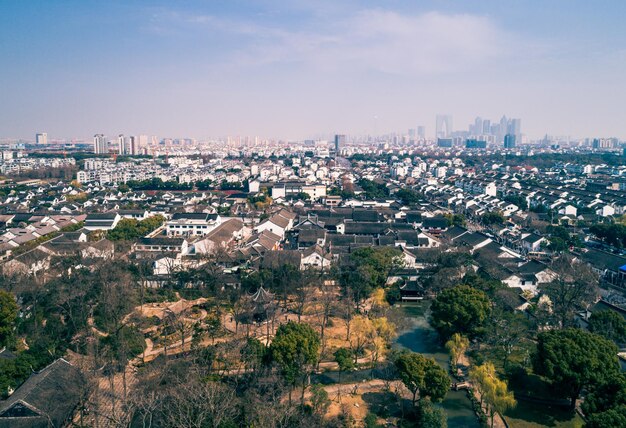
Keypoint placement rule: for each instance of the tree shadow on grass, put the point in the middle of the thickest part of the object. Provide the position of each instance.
(544, 415)
(385, 404)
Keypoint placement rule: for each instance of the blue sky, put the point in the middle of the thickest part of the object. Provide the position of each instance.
(300, 69)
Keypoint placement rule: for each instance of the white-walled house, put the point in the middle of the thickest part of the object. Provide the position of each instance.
(315, 257)
(190, 224)
(605, 211)
(102, 221)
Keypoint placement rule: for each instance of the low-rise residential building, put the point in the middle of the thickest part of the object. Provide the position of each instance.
(192, 224)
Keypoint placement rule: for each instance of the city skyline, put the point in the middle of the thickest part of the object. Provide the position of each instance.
(295, 70)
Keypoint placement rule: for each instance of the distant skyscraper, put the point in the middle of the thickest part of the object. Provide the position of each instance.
(509, 141)
(486, 127)
(421, 132)
(443, 125)
(515, 127)
(143, 143)
(100, 145)
(604, 143)
(134, 146)
(478, 126)
(42, 138)
(504, 123)
(121, 146)
(340, 140)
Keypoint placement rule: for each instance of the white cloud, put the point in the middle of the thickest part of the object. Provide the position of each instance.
(380, 40)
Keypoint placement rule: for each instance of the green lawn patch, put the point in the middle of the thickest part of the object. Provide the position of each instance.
(532, 415)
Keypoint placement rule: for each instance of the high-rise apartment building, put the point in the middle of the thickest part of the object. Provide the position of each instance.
(100, 145)
(478, 126)
(421, 131)
(41, 138)
(504, 123)
(509, 141)
(605, 143)
(486, 127)
(134, 146)
(143, 144)
(515, 128)
(340, 140)
(121, 145)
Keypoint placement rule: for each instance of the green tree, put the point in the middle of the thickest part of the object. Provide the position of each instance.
(561, 233)
(371, 421)
(252, 353)
(213, 324)
(344, 359)
(608, 324)
(8, 317)
(366, 269)
(429, 416)
(612, 234)
(600, 398)
(422, 376)
(518, 200)
(557, 245)
(408, 196)
(461, 309)
(128, 229)
(295, 349)
(319, 399)
(374, 189)
(492, 218)
(573, 359)
(611, 418)
(378, 261)
(455, 219)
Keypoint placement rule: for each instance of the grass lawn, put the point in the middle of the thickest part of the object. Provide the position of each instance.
(531, 415)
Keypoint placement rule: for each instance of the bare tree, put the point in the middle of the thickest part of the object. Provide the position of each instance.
(194, 403)
(573, 288)
(347, 309)
(326, 300)
(302, 290)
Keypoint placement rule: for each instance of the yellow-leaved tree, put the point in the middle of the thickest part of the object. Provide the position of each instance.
(456, 346)
(494, 392)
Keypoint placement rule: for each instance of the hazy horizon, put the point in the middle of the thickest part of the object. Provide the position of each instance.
(300, 69)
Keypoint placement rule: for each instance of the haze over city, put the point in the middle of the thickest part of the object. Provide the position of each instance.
(312, 214)
(296, 70)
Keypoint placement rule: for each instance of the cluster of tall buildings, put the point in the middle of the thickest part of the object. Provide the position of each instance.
(500, 130)
(507, 131)
(418, 133)
(122, 145)
(605, 143)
